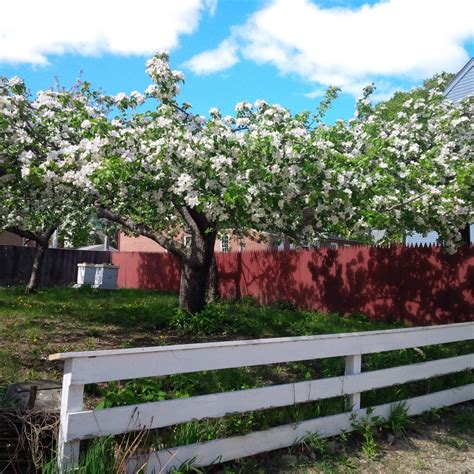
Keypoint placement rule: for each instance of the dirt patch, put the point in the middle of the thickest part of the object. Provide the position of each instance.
(442, 446)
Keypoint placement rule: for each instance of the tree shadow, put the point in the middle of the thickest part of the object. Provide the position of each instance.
(417, 286)
(151, 271)
(412, 285)
(267, 276)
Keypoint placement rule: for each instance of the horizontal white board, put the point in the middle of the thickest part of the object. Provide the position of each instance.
(103, 366)
(221, 450)
(111, 421)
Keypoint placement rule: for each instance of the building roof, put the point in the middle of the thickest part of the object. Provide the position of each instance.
(463, 83)
(98, 248)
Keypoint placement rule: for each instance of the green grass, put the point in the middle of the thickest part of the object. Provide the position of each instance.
(66, 319)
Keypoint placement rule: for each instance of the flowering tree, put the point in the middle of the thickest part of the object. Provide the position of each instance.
(166, 171)
(419, 163)
(395, 104)
(34, 199)
(431, 91)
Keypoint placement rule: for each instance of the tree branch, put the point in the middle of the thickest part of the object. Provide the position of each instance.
(239, 129)
(169, 244)
(26, 234)
(46, 235)
(404, 203)
(200, 219)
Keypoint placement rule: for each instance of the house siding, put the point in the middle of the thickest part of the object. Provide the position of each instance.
(144, 244)
(464, 86)
(7, 238)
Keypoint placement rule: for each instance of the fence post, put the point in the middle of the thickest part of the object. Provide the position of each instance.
(71, 400)
(353, 366)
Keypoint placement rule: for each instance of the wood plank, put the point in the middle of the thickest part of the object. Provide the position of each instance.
(469, 327)
(71, 400)
(221, 450)
(184, 359)
(111, 421)
(353, 367)
(407, 373)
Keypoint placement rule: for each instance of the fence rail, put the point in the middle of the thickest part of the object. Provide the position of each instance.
(101, 366)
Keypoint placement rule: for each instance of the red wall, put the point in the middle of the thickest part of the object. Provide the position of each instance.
(411, 285)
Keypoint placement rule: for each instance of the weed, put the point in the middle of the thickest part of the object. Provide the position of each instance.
(420, 464)
(462, 421)
(366, 426)
(194, 432)
(456, 443)
(188, 467)
(343, 437)
(130, 393)
(346, 462)
(431, 416)
(33, 334)
(98, 458)
(399, 421)
(316, 444)
(105, 455)
(325, 466)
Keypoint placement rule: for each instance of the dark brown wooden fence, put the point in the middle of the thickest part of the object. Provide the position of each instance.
(59, 267)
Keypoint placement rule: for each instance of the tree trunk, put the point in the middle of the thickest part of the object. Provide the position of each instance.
(213, 282)
(195, 272)
(192, 287)
(195, 262)
(466, 234)
(41, 246)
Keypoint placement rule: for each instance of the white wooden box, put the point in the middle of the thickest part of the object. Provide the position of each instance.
(85, 274)
(106, 276)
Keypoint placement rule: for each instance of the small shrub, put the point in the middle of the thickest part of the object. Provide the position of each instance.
(431, 416)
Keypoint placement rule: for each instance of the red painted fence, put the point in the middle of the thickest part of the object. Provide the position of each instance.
(411, 285)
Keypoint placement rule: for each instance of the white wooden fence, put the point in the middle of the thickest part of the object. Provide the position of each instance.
(102, 366)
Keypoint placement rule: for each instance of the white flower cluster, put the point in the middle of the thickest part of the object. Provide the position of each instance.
(166, 81)
(264, 169)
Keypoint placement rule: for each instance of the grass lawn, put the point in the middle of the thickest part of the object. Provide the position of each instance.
(65, 319)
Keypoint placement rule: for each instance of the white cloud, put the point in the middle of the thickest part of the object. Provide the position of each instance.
(315, 93)
(211, 6)
(208, 62)
(35, 29)
(410, 39)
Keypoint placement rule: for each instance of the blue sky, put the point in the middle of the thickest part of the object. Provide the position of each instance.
(284, 51)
